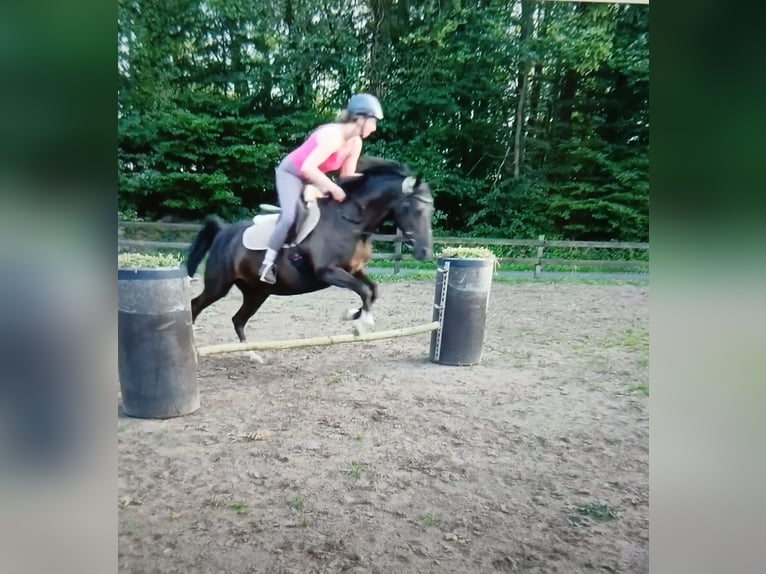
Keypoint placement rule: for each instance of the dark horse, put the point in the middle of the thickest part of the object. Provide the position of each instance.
(334, 253)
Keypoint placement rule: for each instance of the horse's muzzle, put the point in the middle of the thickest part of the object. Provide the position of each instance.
(421, 252)
(421, 247)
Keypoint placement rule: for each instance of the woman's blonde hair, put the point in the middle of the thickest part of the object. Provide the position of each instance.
(344, 117)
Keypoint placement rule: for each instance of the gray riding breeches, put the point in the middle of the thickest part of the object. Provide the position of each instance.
(289, 189)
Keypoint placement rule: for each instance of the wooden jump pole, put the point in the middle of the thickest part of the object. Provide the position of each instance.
(315, 341)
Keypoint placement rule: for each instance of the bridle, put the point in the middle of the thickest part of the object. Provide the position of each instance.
(410, 189)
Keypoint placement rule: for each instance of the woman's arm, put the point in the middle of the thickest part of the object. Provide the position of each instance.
(349, 165)
(329, 140)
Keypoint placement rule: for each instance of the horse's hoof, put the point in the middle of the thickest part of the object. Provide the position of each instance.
(350, 314)
(363, 324)
(253, 356)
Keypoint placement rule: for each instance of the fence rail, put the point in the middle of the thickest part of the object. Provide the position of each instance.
(396, 256)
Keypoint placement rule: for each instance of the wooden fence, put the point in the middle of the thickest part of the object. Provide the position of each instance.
(396, 256)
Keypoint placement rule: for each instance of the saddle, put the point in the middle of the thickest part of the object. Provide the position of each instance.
(256, 236)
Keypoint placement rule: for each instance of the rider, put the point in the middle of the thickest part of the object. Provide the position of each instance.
(330, 147)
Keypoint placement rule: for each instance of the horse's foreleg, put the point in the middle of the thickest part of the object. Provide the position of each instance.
(342, 278)
(356, 313)
(370, 283)
(252, 299)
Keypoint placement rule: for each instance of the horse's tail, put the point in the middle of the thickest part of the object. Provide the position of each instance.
(202, 243)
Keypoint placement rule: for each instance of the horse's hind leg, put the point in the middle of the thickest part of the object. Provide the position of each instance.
(252, 299)
(214, 290)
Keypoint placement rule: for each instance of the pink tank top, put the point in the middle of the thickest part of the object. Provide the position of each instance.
(299, 155)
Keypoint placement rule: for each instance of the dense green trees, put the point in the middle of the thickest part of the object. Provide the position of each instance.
(526, 117)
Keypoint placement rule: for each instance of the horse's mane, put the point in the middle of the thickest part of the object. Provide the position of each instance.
(371, 166)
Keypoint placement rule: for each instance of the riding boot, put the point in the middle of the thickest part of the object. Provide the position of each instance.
(268, 273)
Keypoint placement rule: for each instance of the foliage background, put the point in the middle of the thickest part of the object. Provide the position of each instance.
(526, 117)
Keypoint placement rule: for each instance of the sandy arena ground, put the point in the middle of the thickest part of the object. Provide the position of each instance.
(368, 458)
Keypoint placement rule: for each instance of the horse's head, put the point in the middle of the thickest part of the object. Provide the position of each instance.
(388, 189)
(412, 214)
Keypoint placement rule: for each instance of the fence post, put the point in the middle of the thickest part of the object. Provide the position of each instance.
(398, 251)
(539, 263)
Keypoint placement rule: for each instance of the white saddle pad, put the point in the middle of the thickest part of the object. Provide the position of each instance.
(257, 236)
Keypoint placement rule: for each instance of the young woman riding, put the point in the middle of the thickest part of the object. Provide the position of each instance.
(330, 147)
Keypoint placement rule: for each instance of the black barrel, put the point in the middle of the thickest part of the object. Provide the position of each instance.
(157, 361)
(461, 298)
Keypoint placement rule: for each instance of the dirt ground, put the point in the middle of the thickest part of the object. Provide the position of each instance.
(368, 458)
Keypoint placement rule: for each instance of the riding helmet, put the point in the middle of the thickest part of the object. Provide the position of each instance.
(365, 105)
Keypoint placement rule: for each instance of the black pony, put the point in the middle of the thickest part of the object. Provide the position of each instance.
(334, 253)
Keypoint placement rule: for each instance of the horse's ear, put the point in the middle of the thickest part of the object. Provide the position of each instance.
(408, 185)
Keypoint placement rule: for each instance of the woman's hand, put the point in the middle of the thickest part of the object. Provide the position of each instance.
(337, 193)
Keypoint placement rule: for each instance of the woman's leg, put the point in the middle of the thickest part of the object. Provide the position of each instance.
(289, 188)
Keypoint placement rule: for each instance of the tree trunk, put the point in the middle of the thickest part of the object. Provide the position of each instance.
(519, 125)
(241, 88)
(525, 66)
(402, 20)
(377, 44)
(567, 94)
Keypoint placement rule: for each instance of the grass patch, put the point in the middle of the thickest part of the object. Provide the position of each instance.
(336, 380)
(403, 277)
(356, 469)
(633, 339)
(303, 522)
(430, 276)
(297, 502)
(357, 437)
(568, 281)
(238, 507)
(430, 519)
(522, 360)
(637, 339)
(461, 252)
(642, 389)
(148, 261)
(387, 264)
(483, 252)
(598, 512)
